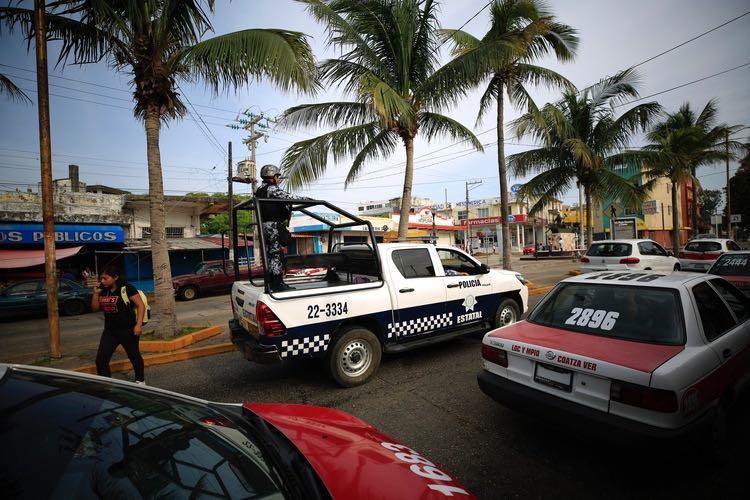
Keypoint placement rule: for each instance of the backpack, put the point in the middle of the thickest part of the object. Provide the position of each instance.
(126, 299)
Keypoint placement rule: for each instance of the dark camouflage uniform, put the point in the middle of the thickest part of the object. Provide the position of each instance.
(271, 229)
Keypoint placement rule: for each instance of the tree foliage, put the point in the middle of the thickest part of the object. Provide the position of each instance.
(388, 66)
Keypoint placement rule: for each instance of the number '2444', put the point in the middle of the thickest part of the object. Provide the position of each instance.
(599, 318)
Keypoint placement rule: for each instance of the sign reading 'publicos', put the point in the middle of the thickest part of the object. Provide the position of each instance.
(26, 234)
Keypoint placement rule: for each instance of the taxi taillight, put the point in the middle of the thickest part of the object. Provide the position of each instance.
(495, 355)
(643, 397)
(268, 322)
(585, 259)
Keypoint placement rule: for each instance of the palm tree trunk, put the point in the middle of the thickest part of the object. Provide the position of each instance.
(589, 216)
(675, 221)
(501, 170)
(164, 305)
(403, 222)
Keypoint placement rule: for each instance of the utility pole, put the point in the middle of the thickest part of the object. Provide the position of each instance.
(248, 173)
(467, 236)
(729, 198)
(45, 156)
(581, 243)
(230, 192)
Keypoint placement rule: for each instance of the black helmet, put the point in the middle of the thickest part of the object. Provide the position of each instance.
(269, 171)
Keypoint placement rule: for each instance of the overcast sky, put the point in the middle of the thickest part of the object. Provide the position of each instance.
(93, 125)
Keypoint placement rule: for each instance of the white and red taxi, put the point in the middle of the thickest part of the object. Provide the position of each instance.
(700, 254)
(643, 354)
(71, 435)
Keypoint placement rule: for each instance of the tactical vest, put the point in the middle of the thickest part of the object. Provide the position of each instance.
(271, 212)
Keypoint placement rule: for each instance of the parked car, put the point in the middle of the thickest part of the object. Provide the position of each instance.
(700, 254)
(70, 435)
(638, 356)
(529, 249)
(735, 268)
(622, 255)
(29, 297)
(216, 276)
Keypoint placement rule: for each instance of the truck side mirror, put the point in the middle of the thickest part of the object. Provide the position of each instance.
(485, 269)
(211, 273)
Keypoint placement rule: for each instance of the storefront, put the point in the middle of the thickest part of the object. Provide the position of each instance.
(22, 248)
(486, 232)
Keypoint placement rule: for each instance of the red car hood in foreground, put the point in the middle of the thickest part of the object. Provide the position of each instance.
(639, 356)
(354, 459)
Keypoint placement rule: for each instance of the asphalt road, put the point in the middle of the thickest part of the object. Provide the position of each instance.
(429, 400)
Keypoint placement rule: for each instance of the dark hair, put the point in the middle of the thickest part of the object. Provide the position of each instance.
(114, 271)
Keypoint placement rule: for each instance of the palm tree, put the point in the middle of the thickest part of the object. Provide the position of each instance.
(11, 90)
(681, 143)
(583, 142)
(160, 43)
(388, 64)
(521, 32)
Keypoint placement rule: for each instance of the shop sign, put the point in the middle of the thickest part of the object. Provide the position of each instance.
(26, 234)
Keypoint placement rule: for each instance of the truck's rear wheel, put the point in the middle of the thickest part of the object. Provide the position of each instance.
(507, 313)
(188, 293)
(354, 356)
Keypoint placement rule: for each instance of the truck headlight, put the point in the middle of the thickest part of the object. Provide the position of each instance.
(521, 278)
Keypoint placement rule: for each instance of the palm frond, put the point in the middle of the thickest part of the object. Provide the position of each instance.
(11, 90)
(391, 106)
(306, 161)
(534, 160)
(461, 41)
(326, 114)
(434, 125)
(237, 59)
(381, 146)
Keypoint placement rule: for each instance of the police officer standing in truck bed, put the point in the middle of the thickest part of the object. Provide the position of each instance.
(275, 219)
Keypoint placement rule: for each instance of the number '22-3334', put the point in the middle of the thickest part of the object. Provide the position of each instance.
(328, 310)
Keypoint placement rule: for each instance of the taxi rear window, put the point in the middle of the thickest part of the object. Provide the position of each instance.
(703, 246)
(609, 250)
(642, 314)
(732, 265)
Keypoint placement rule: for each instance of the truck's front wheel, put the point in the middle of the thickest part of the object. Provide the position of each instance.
(507, 313)
(354, 356)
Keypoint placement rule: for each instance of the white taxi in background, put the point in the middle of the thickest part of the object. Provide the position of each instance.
(700, 254)
(644, 354)
(624, 255)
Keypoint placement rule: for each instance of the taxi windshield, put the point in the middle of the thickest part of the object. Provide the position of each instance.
(732, 265)
(642, 314)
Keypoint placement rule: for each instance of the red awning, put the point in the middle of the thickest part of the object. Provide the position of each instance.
(12, 259)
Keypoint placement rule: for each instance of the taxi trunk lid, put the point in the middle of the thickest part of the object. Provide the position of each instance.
(576, 366)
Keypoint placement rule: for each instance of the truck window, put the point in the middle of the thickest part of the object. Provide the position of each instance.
(457, 264)
(413, 263)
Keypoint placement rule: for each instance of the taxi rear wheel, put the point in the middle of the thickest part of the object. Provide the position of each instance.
(507, 313)
(354, 356)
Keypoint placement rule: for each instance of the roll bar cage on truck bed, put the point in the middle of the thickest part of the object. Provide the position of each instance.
(311, 260)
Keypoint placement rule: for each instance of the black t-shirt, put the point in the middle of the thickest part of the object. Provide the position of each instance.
(118, 317)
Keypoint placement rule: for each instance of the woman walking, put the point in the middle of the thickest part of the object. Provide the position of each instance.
(122, 325)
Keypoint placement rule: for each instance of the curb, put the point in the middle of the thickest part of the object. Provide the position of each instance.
(164, 358)
(540, 291)
(179, 343)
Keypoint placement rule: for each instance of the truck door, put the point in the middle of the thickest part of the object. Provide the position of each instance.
(420, 295)
(469, 296)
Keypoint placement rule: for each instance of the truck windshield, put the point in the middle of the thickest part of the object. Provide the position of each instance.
(643, 314)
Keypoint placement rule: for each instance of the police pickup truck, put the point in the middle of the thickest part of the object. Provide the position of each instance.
(388, 298)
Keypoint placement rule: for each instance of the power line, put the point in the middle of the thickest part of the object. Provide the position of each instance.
(683, 85)
(690, 40)
(467, 22)
(215, 142)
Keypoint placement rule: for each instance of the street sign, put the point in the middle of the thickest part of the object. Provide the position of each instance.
(651, 207)
(716, 219)
(735, 218)
(516, 188)
(625, 228)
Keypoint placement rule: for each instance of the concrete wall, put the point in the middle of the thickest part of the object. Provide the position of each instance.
(177, 215)
(81, 207)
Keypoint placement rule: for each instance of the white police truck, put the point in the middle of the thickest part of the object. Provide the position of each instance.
(387, 297)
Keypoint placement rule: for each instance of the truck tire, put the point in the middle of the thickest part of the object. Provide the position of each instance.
(354, 356)
(507, 313)
(187, 293)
